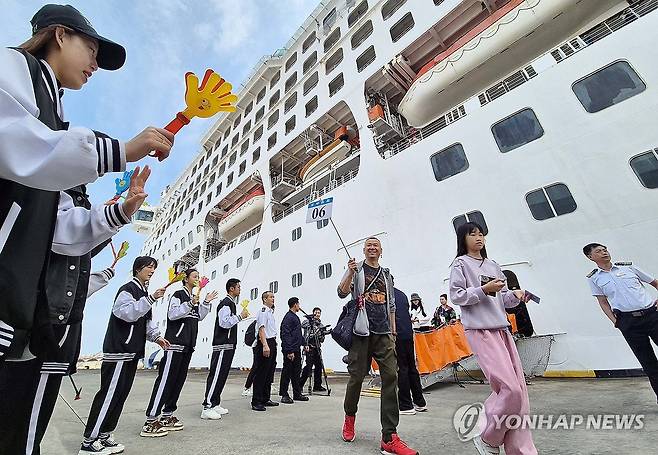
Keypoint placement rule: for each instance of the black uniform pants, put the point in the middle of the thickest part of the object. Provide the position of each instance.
(291, 372)
(172, 373)
(116, 381)
(250, 377)
(263, 372)
(313, 361)
(28, 393)
(638, 332)
(220, 366)
(408, 377)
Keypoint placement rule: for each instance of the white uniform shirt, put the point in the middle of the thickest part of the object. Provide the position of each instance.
(265, 319)
(623, 287)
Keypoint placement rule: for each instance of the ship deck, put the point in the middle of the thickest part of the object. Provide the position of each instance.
(314, 427)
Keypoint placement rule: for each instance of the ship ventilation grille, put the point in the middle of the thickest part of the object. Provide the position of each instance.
(507, 85)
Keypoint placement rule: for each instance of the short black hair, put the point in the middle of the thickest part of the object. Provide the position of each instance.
(143, 261)
(292, 301)
(587, 249)
(188, 272)
(317, 308)
(231, 283)
(444, 295)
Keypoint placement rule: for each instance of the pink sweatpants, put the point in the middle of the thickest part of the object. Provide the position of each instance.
(499, 360)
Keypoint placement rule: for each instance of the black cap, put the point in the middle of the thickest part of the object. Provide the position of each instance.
(111, 56)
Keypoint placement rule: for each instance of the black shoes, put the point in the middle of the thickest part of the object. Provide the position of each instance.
(271, 403)
(319, 389)
(258, 407)
(286, 400)
(299, 398)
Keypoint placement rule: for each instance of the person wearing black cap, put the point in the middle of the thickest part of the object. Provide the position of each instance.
(292, 341)
(41, 156)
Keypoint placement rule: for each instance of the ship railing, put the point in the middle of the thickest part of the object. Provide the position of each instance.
(619, 20)
(250, 233)
(284, 178)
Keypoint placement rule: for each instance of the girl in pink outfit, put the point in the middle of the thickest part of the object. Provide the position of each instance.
(477, 285)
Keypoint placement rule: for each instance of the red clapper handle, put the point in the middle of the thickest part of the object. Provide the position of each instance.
(173, 127)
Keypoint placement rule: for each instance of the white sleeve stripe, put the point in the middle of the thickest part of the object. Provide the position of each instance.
(106, 154)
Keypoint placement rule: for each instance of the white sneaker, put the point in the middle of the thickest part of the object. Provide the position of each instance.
(421, 408)
(408, 412)
(210, 414)
(111, 444)
(246, 393)
(483, 448)
(219, 410)
(95, 448)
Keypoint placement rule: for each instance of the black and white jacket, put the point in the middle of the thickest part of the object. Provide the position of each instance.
(130, 324)
(39, 156)
(226, 325)
(183, 320)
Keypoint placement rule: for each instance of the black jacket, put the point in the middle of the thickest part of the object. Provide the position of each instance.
(183, 331)
(226, 338)
(291, 333)
(402, 317)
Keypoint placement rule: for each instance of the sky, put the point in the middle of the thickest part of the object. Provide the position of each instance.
(163, 39)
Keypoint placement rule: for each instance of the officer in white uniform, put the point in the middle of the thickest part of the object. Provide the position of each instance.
(623, 297)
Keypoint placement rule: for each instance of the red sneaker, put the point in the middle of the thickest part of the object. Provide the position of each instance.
(396, 447)
(349, 434)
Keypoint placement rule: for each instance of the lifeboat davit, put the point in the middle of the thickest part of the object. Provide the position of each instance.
(243, 215)
(514, 20)
(335, 151)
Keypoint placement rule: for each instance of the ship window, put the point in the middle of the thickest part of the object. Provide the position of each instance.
(322, 223)
(221, 170)
(329, 20)
(290, 102)
(187, 204)
(271, 121)
(254, 294)
(260, 95)
(645, 167)
(229, 179)
(324, 271)
(311, 82)
(219, 189)
(203, 187)
(274, 245)
(244, 147)
(243, 167)
(331, 40)
(401, 27)
(224, 152)
(191, 214)
(276, 78)
(209, 198)
(255, 155)
(362, 34)
(168, 252)
(256, 254)
(308, 42)
(215, 161)
(212, 178)
(190, 237)
(517, 130)
(365, 59)
(390, 7)
(225, 269)
(214, 275)
(182, 243)
(290, 124)
(448, 162)
(249, 108)
(233, 159)
(309, 62)
(291, 61)
(237, 121)
(198, 179)
(275, 98)
(200, 206)
(312, 105)
(608, 86)
(198, 230)
(358, 13)
(258, 133)
(227, 133)
(235, 140)
(260, 114)
(296, 280)
(290, 83)
(336, 84)
(274, 287)
(334, 61)
(238, 263)
(246, 128)
(550, 201)
(296, 233)
(271, 141)
(475, 217)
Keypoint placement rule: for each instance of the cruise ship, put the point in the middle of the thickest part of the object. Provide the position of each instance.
(535, 118)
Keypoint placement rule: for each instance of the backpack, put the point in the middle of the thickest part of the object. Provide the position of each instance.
(250, 334)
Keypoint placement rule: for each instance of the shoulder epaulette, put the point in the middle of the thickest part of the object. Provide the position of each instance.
(263, 309)
(624, 263)
(591, 274)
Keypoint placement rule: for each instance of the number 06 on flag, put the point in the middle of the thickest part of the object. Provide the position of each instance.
(319, 210)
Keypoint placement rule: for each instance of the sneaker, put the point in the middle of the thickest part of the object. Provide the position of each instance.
(396, 447)
(246, 393)
(421, 408)
(483, 448)
(219, 410)
(95, 448)
(171, 423)
(110, 443)
(153, 430)
(210, 414)
(349, 434)
(408, 412)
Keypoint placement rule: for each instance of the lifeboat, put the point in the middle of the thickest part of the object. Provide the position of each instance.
(335, 151)
(243, 215)
(510, 23)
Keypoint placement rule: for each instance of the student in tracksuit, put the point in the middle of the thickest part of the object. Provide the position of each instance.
(477, 284)
(130, 325)
(40, 156)
(225, 340)
(183, 318)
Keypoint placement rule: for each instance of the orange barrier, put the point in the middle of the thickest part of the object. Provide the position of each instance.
(436, 349)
